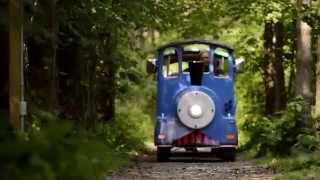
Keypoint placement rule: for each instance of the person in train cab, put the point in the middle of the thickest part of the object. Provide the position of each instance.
(217, 68)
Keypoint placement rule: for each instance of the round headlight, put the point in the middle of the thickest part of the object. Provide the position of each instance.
(195, 111)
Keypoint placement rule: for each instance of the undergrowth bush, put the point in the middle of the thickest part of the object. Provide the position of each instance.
(297, 162)
(130, 130)
(287, 148)
(279, 134)
(55, 149)
(298, 166)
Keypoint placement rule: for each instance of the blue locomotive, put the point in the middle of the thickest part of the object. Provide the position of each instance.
(195, 98)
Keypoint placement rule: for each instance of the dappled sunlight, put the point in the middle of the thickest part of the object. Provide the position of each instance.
(76, 101)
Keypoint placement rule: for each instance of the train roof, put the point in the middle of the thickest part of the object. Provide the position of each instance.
(195, 41)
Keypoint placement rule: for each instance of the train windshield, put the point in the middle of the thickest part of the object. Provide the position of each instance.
(195, 62)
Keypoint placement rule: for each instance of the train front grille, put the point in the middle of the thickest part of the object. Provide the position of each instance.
(195, 138)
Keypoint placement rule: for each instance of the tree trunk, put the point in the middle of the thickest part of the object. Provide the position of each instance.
(53, 30)
(16, 58)
(109, 95)
(4, 59)
(274, 82)
(317, 106)
(42, 74)
(269, 71)
(69, 80)
(280, 94)
(303, 68)
(107, 82)
(290, 90)
(87, 101)
(90, 97)
(49, 8)
(4, 66)
(4, 70)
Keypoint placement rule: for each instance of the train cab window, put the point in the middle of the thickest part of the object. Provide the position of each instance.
(195, 62)
(221, 63)
(170, 66)
(195, 55)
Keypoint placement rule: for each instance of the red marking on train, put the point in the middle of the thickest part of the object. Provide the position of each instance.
(202, 137)
(178, 142)
(185, 140)
(197, 137)
(193, 138)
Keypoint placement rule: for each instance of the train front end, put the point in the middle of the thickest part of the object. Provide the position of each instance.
(195, 98)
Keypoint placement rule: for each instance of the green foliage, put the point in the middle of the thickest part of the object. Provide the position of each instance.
(130, 130)
(250, 93)
(53, 149)
(296, 162)
(275, 134)
(312, 173)
(298, 166)
(109, 48)
(281, 134)
(5, 129)
(308, 141)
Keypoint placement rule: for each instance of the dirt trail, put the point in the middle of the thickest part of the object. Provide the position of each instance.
(195, 169)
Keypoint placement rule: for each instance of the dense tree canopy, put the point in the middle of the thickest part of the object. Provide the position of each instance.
(84, 64)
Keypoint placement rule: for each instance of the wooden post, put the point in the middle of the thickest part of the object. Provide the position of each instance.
(15, 64)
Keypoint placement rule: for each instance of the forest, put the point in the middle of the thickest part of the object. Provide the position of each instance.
(91, 104)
